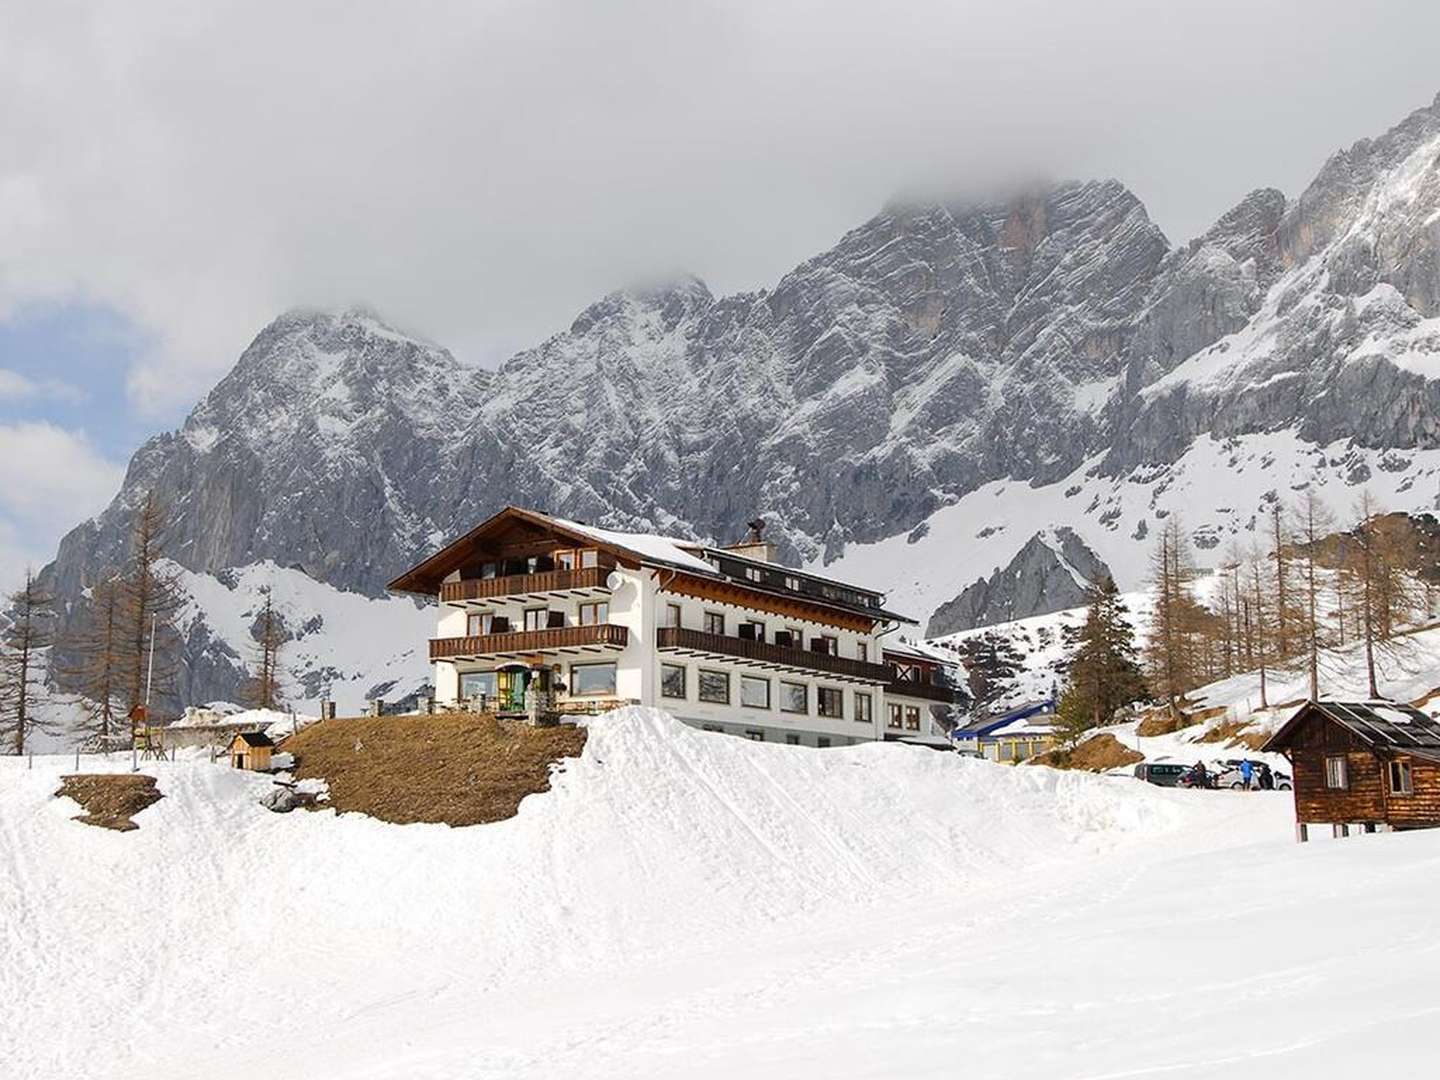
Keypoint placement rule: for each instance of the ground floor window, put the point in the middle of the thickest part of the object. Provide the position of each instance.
(754, 736)
(794, 697)
(912, 718)
(672, 680)
(862, 708)
(830, 702)
(714, 686)
(893, 719)
(1400, 778)
(754, 693)
(1335, 773)
(477, 684)
(592, 679)
(822, 742)
(792, 740)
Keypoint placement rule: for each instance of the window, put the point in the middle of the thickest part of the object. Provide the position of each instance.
(862, 650)
(912, 718)
(477, 684)
(714, 727)
(672, 615)
(792, 583)
(754, 736)
(715, 623)
(794, 697)
(1400, 778)
(893, 719)
(785, 638)
(589, 557)
(488, 571)
(792, 739)
(714, 686)
(752, 630)
(1007, 751)
(830, 702)
(565, 560)
(823, 643)
(753, 573)
(822, 741)
(536, 618)
(754, 693)
(672, 680)
(475, 625)
(594, 614)
(863, 714)
(1335, 773)
(486, 624)
(591, 679)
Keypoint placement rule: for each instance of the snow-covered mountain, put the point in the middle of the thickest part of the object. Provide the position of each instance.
(947, 382)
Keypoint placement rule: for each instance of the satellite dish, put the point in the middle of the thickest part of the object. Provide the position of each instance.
(613, 580)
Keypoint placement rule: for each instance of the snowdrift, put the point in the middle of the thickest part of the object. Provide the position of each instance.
(659, 844)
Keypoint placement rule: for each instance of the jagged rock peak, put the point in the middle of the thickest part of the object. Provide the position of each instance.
(675, 299)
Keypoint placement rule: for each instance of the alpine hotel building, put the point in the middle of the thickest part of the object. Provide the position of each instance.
(536, 609)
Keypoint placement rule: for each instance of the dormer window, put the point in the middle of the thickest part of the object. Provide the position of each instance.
(753, 573)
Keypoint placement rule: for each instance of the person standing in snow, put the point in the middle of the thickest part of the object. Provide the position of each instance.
(1267, 778)
(1246, 772)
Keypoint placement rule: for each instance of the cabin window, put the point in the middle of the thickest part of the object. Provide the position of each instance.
(753, 573)
(672, 615)
(594, 614)
(794, 697)
(714, 686)
(862, 650)
(754, 735)
(752, 630)
(863, 715)
(912, 718)
(565, 560)
(556, 620)
(487, 624)
(822, 741)
(830, 702)
(785, 638)
(672, 680)
(824, 643)
(1401, 780)
(715, 623)
(1336, 774)
(792, 740)
(474, 625)
(488, 571)
(587, 680)
(792, 583)
(475, 684)
(754, 693)
(588, 558)
(537, 618)
(893, 719)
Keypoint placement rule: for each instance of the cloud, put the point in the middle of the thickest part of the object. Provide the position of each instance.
(479, 171)
(50, 478)
(17, 387)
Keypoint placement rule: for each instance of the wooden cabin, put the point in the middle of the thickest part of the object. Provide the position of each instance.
(251, 750)
(1373, 764)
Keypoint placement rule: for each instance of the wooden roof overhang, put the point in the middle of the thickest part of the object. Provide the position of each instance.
(512, 533)
(1418, 736)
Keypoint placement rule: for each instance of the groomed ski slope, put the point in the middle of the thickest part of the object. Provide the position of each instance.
(686, 904)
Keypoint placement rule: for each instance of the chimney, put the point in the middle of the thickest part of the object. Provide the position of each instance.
(755, 546)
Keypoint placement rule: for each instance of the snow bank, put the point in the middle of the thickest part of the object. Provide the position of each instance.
(661, 846)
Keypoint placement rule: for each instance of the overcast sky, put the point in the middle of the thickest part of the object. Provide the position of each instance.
(174, 174)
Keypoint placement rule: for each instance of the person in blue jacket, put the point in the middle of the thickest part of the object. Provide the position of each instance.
(1246, 772)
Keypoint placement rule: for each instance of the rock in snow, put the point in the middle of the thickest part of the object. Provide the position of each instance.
(934, 350)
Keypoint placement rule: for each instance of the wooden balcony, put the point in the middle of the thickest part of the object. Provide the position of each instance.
(927, 691)
(600, 637)
(526, 586)
(763, 653)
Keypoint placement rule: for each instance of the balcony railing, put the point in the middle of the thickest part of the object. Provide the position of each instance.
(547, 581)
(602, 635)
(674, 637)
(928, 691)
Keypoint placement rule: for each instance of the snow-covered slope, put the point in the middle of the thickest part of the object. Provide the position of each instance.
(690, 904)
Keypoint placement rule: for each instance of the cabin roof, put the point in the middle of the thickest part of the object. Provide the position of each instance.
(254, 738)
(1383, 725)
(1021, 719)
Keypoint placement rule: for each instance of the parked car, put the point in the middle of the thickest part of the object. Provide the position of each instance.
(1231, 777)
(1164, 773)
(1192, 779)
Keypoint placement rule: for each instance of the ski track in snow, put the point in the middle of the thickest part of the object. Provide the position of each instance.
(689, 904)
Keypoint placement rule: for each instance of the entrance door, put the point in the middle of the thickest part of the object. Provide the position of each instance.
(510, 688)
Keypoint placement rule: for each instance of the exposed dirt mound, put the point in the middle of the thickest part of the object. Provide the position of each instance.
(110, 799)
(1095, 754)
(457, 769)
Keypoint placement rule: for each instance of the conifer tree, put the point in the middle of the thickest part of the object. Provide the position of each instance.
(1178, 619)
(149, 600)
(1104, 674)
(28, 631)
(269, 633)
(96, 671)
(1313, 521)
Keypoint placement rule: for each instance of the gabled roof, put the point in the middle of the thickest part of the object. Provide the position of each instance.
(253, 738)
(1384, 725)
(989, 725)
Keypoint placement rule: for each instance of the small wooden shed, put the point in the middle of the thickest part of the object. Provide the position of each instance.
(251, 750)
(1373, 764)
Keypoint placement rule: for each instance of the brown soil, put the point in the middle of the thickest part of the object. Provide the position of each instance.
(1095, 754)
(456, 769)
(110, 799)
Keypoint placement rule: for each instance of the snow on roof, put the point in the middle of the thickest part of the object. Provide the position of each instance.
(664, 549)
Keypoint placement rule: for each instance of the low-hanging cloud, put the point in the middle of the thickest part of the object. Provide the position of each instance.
(480, 171)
